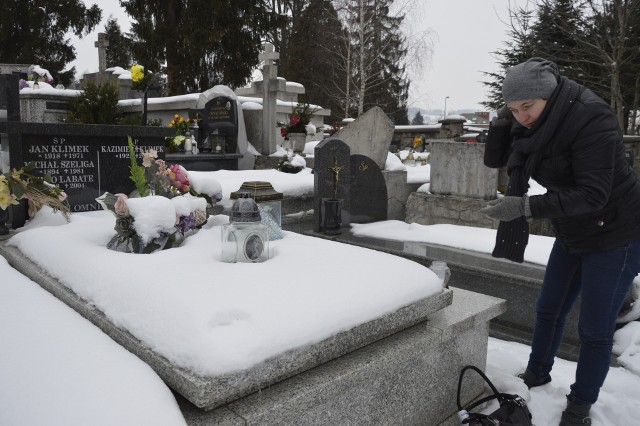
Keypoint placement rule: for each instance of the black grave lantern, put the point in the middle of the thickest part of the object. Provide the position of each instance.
(220, 123)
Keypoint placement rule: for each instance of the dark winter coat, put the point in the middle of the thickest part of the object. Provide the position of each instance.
(593, 195)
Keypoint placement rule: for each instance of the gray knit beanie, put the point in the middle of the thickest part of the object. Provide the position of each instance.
(535, 79)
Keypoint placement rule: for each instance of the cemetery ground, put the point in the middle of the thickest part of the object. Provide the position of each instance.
(59, 369)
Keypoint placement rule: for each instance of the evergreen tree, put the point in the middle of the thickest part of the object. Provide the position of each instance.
(119, 50)
(281, 34)
(309, 57)
(517, 49)
(595, 43)
(204, 43)
(378, 55)
(35, 32)
(418, 119)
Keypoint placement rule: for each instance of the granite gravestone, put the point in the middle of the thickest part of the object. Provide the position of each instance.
(370, 135)
(220, 122)
(368, 192)
(84, 160)
(331, 179)
(10, 95)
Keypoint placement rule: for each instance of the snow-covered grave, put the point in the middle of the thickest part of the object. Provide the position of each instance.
(215, 331)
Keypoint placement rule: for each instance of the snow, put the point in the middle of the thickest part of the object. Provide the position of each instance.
(58, 369)
(191, 308)
(33, 323)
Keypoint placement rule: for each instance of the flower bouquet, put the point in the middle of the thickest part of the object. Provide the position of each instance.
(39, 191)
(167, 210)
(299, 121)
(181, 126)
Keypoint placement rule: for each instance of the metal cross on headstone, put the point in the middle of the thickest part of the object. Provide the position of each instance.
(270, 86)
(102, 45)
(336, 169)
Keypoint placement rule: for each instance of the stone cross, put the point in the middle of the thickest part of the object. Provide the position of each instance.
(102, 45)
(270, 87)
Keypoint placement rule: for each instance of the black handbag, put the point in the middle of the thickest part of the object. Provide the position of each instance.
(513, 409)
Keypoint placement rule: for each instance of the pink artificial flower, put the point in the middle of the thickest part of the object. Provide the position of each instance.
(149, 157)
(178, 178)
(121, 205)
(162, 167)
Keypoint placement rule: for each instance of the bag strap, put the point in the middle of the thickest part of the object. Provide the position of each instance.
(501, 397)
(496, 394)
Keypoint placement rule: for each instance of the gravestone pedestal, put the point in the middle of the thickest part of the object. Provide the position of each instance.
(460, 186)
(408, 378)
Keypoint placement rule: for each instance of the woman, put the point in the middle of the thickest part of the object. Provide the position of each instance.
(569, 141)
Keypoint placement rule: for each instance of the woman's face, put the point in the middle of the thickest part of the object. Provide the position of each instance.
(528, 111)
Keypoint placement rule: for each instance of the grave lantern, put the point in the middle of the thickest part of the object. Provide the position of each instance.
(410, 160)
(269, 204)
(245, 239)
(218, 142)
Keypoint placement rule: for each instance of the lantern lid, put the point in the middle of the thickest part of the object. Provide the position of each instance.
(259, 191)
(245, 209)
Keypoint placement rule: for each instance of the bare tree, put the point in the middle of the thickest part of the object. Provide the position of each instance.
(372, 32)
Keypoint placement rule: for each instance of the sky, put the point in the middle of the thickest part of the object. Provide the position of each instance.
(38, 330)
(461, 34)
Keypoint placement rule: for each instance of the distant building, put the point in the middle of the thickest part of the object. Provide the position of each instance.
(481, 117)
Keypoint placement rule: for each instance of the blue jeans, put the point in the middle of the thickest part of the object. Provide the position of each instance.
(602, 280)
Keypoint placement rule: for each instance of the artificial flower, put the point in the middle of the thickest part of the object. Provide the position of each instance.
(120, 206)
(299, 119)
(148, 157)
(178, 178)
(137, 73)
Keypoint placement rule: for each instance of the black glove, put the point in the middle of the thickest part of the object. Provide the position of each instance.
(505, 208)
(504, 118)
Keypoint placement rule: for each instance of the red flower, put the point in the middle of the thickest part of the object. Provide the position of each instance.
(283, 132)
(294, 119)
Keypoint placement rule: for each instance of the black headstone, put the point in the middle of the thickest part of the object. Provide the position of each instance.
(331, 158)
(10, 95)
(84, 160)
(220, 117)
(368, 191)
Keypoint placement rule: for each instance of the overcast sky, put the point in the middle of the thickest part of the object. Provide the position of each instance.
(461, 34)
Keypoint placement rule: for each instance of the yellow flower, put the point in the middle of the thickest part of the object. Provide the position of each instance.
(6, 197)
(176, 116)
(137, 73)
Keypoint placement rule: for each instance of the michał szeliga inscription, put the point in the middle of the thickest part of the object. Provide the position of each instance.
(84, 160)
(84, 169)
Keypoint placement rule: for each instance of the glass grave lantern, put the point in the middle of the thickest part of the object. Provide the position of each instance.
(218, 142)
(245, 239)
(269, 204)
(410, 160)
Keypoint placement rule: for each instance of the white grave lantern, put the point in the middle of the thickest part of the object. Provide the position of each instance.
(269, 203)
(245, 239)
